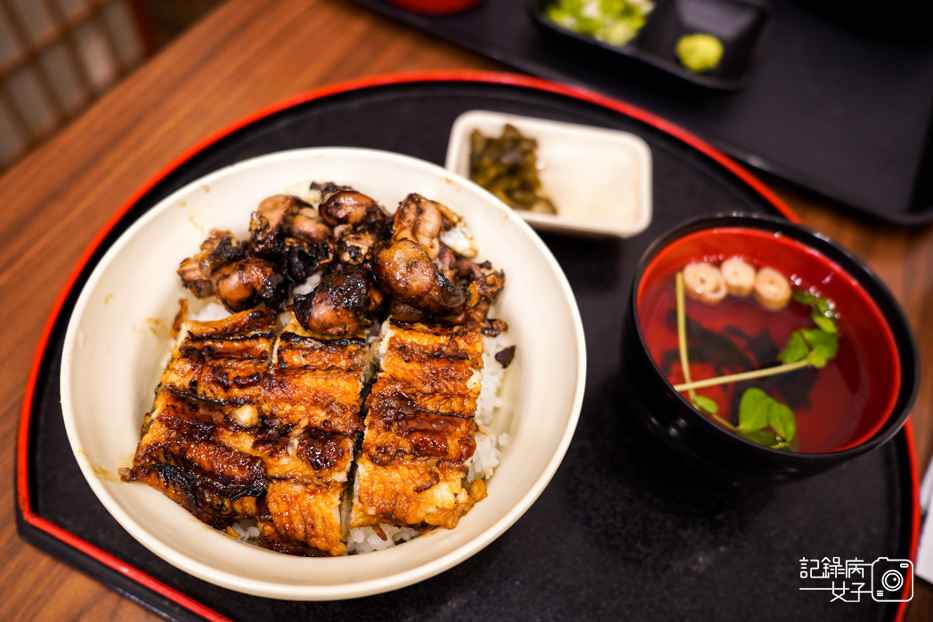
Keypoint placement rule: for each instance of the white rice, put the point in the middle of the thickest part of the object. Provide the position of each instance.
(486, 457)
(211, 312)
(308, 286)
(366, 540)
(247, 531)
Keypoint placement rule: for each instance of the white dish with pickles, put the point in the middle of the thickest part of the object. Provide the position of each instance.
(559, 177)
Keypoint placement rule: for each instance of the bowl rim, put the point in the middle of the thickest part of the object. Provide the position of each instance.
(310, 591)
(888, 309)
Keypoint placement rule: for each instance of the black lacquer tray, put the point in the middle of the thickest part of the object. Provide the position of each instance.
(836, 100)
(624, 530)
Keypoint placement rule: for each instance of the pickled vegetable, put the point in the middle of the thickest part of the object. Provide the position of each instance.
(507, 167)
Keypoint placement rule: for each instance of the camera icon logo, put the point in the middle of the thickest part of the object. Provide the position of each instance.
(892, 580)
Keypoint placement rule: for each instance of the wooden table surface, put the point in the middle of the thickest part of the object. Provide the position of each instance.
(245, 55)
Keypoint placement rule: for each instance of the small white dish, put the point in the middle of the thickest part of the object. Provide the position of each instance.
(118, 340)
(599, 179)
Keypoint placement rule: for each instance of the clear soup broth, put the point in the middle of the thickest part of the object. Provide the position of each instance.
(739, 335)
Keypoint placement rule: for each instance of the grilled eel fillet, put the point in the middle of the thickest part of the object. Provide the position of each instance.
(244, 426)
(419, 429)
(314, 388)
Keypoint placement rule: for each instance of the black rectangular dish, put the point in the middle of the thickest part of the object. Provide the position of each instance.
(740, 25)
(624, 529)
(838, 101)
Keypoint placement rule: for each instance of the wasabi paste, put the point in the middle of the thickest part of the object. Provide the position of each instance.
(699, 52)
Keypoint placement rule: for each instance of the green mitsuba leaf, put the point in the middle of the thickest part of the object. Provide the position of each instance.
(781, 419)
(762, 437)
(804, 297)
(824, 308)
(764, 420)
(825, 323)
(705, 405)
(796, 349)
(815, 359)
(814, 345)
(823, 314)
(753, 410)
(826, 344)
(815, 302)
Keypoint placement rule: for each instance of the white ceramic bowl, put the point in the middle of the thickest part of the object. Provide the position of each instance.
(599, 179)
(118, 341)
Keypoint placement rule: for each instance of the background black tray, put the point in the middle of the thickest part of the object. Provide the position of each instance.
(840, 100)
(624, 529)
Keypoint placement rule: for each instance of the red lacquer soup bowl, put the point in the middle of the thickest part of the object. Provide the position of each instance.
(759, 389)
(436, 7)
